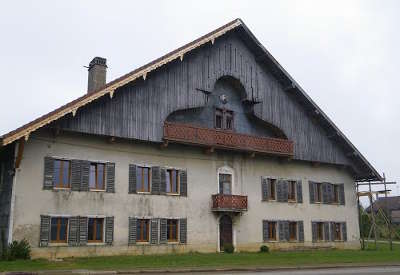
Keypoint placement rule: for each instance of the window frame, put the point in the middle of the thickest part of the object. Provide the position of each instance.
(224, 114)
(292, 188)
(293, 229)
(58, 241)
(169, 176)
(219, 113)
(96, 181)
(272, 226)
(318, 192)
(95, 231)
(336, 190)
(228, 114)
(142, 190)
(61, 184)
(271, 189)
(143, 239)
(338, 231)
(170, 232)
(320, 232)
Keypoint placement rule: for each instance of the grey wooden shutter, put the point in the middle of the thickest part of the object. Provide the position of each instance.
(83, 230)
(281, 229)
(325, 194)
(110, 176)
(341, 194)
(332, 238)
(344, 231)
(48, 173)
(326, 231)
(163, 181)
(265, 230)
(286, 228)
(155, 179)
(163, 231)
(132, 178)
(299, 191)
(85, 175)
(314, 231)
(285, 191)
(312, 192)
(132, 230)
(75, 175)
(264, 189)
(282, 191)
(73, 231)
(183, 231)
(330, 193)
(109, 237)
(44, 230)
(300, 229)
(154, 231)
(183, 182)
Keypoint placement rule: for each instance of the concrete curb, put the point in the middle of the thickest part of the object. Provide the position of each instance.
(197, 270)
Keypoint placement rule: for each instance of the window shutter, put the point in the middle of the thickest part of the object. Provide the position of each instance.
(300, 228)
(332, 231)
(132, 178)
(183, 231)
(183, 182)
(76, 175)
(265, 231)
(85, 170)
(280, 191)
(163, 182)
(109, 237)
(132, 230)
(325, 194)
(299, 189)
(44, 230)
(312, 191)
(163, 231)
(110, 168)
(326, 231)
(330, 192)
(73, 231)
(344, 232)
(281, 229)
(285, 191)
(264, 189)
(341, 194)
(48, 173)
(287, 233)
(83, 230)
(314, 231)
(155, 180)
(154, 231)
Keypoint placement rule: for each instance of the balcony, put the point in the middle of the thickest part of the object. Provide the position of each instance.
(229, 203)
(213, 138)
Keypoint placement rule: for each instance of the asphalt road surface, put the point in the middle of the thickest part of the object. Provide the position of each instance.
(390, 270)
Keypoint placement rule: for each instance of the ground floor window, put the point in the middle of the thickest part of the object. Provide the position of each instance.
(272, 231)
(337, 231)
(292, 231)
(320, 231)
(59, 229)
(95, 230)
(142, 230)
(172, 230)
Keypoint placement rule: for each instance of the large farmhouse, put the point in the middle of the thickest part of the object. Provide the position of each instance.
(211, 144)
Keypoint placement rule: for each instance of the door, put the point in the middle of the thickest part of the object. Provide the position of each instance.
(225, 184)
(225, 231)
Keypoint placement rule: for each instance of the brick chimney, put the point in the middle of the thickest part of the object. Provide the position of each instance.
(97, 74)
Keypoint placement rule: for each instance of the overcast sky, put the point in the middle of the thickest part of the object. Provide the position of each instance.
(345, 54)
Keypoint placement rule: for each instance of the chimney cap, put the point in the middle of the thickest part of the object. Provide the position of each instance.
(98, 61)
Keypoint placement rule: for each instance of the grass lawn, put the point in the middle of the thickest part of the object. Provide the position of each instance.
(199, 260)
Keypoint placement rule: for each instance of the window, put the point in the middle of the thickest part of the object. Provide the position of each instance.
(292, 191)
(229, 120)
(335, 193)
(272, 231)
(292, 231)
(172, 181)
(62, 173)
(142, 230)
(97, 176)
(320, 231)
(218, 118)
(172, 230)
(225, 184)
(95, 230)
(143, 179)
(338, 231)
(59, 229)
(223, 119)
(318, 192)
(271, 189)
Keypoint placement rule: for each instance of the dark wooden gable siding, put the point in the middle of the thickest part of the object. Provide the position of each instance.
(138, 110)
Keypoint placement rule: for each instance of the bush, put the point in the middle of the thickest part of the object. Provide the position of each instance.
(229, 248)
(17, 250)
(264, 249)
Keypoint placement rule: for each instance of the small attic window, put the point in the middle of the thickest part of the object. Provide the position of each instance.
(218, 118)
(223, 119)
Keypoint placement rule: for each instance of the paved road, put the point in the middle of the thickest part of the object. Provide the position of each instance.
(328, 271)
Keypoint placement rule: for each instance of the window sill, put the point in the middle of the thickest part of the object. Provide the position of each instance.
(97, 190)
(172, 194)
(61, 188)
(58, 244)
(172, 242)
(96, 243)
(142, 193)
(142, 243)
(292, 201)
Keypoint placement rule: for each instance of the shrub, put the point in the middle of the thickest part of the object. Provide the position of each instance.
(264, 249)
(229, 248)
(17, 250)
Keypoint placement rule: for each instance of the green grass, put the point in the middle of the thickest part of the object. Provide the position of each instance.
(211, 260)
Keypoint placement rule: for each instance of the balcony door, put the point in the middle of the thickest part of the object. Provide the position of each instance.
(225, 231)
(225, 184)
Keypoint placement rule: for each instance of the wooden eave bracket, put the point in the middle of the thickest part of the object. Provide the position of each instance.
(111, 93)
(20, 153)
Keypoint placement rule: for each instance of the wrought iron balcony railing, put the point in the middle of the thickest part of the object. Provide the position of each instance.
(229, 203)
